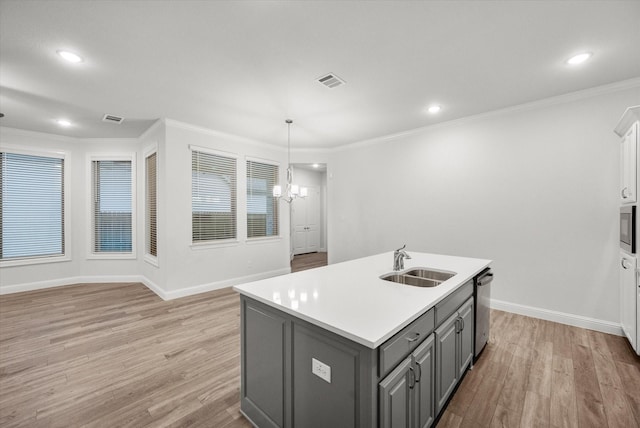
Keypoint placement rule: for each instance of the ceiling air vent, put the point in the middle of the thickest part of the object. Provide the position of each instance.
(112, 119)
(331, 80)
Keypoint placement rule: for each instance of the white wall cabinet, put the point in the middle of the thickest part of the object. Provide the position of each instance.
(629, 165)
(628, 129)
(629, 297)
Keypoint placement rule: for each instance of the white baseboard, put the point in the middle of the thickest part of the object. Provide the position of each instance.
(202, 288)
(163, 294)
(153, 287)
(559, 317)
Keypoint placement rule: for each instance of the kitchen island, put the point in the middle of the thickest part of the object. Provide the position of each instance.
(339, 346)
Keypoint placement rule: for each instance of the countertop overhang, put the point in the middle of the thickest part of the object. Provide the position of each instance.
(350, 299)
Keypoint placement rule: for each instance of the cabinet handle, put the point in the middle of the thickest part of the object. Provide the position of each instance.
(419, 372)
(623, 193)
(462, 321)
(412, 378)
(457, 325)
(414, 338)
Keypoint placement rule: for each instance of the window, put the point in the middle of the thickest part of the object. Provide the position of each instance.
(32, 206)
(213, 196)
(112, 206)
(262, 207)
(151, 205)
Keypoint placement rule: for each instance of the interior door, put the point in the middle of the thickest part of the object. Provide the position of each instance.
(305, 213)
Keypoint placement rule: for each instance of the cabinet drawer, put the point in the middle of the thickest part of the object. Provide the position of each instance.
(399, 346)
(451, 304)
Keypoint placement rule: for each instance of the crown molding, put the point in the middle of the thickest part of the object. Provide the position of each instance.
(155, 125)
(220, 134)
(545, 102)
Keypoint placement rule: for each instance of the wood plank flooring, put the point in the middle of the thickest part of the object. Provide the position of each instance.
(308, 261)
(116, 355)
(535, 373)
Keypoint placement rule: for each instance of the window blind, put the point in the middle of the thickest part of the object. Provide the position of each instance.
(262, 207)
(213, 197)
(112, 202)
(151, 205)
(32, 206)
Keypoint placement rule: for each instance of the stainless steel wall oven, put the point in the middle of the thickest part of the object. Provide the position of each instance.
(628, 228)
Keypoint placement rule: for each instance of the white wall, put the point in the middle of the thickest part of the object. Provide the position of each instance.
(190, 269)
(181, 269)
(535, 189)
(79, 268)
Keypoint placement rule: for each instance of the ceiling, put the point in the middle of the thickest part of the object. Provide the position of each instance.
(243, 67)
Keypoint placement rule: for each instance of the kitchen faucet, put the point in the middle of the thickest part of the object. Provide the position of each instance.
(398, 258)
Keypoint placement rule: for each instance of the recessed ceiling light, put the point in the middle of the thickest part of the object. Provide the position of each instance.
(579, 59)
(63, 122)
(315, 165)
(70, 56)
(434, 109)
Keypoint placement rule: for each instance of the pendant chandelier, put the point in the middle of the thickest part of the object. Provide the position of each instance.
(292, 191)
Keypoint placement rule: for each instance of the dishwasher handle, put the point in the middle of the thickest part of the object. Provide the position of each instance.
(484, 279)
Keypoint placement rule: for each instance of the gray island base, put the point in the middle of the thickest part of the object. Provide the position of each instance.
(295, 373)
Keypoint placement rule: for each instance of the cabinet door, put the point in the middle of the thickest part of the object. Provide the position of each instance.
(628, 299)
(466, 336)
(423, 392)
(629, 165)
(263, 343)
(395, 397)
(446, 360)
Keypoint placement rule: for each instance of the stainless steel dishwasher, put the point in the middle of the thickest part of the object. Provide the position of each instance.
(482, 298)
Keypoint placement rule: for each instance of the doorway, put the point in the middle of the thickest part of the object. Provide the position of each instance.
(309, 218)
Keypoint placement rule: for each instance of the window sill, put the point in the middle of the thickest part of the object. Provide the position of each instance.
(152, 260)
(34, 261)
(213, 244)
(263, 240)
(111, 256)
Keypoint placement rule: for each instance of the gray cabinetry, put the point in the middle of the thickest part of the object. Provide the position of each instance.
(265, 362)
(467, 341)
(395, 397)
(296, 374)
(406, 394)
(454, 351)
(424, 361)
(280, 385)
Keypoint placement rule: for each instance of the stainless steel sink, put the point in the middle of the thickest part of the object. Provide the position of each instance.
(419, 277)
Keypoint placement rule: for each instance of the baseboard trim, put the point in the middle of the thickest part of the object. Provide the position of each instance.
(559, 317)
(202, 288)
(153, 287)
(163, 294)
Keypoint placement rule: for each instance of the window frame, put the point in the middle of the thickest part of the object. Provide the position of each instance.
(258, 239)
(217, 243)
(92, 255)
(149, 151)
(66, 201)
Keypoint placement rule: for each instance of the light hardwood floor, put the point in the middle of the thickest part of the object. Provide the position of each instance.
(308, 261)
(111, 355)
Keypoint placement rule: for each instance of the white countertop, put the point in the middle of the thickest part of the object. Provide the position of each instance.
(351, 300)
